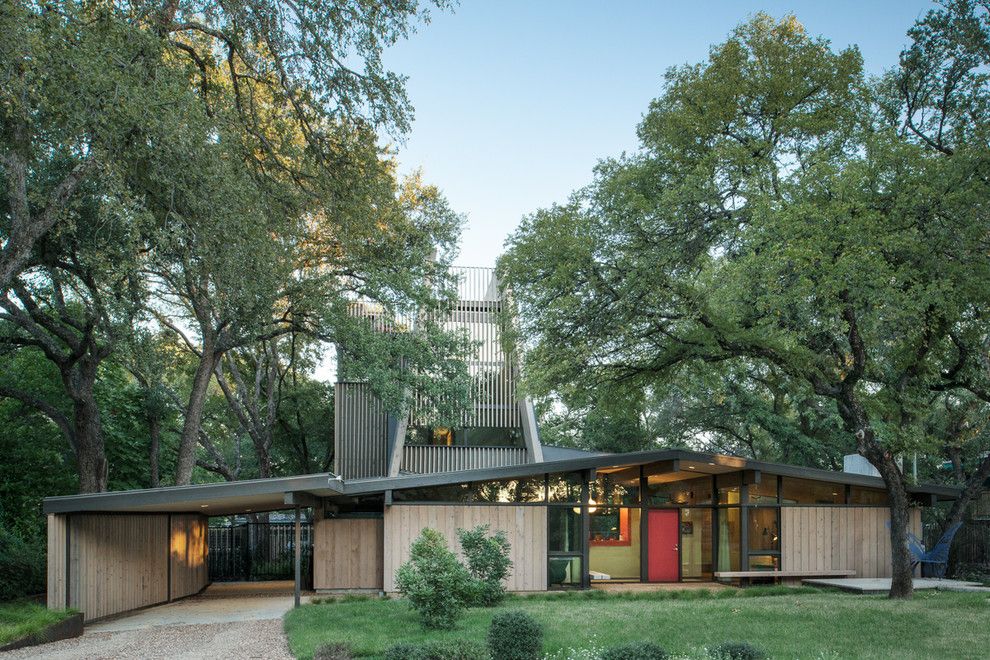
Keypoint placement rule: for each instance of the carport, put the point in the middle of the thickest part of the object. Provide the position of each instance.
(109, 553)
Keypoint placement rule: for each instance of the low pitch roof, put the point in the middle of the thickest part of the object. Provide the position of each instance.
(277, 493)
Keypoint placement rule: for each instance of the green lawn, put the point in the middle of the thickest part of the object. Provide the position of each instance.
(22, 618)
(787, 623)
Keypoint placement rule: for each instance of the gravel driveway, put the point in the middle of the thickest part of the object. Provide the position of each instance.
(244, 639)
(231, 626)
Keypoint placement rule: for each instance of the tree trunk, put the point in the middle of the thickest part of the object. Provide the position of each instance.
(194, 415)
(155, 430)
(90, 454)
(857, 421)
(902, 580)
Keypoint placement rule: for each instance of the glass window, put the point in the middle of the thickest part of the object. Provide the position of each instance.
(614, 551)
(764, 563)
(565, 571)
(764, 492)
(565, 529)
(686, 492)
(621, 487)
(565, 487)
(506, 491)
(478, 436)
(696, 544)
(609, 526)
(805, 491)
(729, 488)
(729, 538)
(873, 496)
(764, 534)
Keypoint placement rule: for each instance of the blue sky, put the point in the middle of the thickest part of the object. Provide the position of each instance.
(516, 101)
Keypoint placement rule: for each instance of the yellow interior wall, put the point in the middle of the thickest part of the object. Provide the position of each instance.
(618, 561)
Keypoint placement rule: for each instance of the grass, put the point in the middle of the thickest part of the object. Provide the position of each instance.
(786, 622)
(21, 618)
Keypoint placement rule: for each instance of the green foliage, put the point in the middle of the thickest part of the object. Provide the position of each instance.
(795, 624)
(736, 651)
(435, 582)
(445, 649)
(636, 651)
(515, 635)
(783, 269)
(22, 563)
(21, 618)
(488, 561)
(333, 651)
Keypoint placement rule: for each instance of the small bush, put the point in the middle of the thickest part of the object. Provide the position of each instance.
(435, 582)
(515, 635)
(333, 651)
(636, 651)
(736, 651)
(488, 561)
(447, 649)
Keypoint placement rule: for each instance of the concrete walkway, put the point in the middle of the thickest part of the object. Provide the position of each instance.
(228, 620)
(882, 585)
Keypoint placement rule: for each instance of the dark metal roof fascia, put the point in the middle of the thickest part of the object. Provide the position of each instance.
(368, 486)
(113, 501)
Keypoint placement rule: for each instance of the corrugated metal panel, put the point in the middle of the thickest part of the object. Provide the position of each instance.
(426, 459)
(360, 432)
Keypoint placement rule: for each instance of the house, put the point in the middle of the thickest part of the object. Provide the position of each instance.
(572, 517)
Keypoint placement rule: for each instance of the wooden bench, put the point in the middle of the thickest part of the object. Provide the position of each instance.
(786, 576)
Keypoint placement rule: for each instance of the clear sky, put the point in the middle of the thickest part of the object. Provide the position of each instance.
(516, 101)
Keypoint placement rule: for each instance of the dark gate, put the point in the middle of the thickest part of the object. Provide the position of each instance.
(259, 551)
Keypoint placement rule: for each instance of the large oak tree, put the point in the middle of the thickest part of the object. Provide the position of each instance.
(785, 211)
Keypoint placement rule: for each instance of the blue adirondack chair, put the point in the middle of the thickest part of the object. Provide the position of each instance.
(937, 558)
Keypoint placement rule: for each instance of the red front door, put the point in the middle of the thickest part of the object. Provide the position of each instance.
(664, 554)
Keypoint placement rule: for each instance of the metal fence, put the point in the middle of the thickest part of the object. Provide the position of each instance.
(970, 551)
(259, 551)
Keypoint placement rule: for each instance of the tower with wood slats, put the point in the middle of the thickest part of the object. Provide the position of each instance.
(498, 428)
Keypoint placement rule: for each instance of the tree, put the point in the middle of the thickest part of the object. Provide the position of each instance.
(942, 95)
(779, 213)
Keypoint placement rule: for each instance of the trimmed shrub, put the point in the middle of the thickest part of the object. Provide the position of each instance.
(515, 635)
(333, 651)
(488, 561)
(736, 651)
(435, 582)
(636, 651)
(446, 649)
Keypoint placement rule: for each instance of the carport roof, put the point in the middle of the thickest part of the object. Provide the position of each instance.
(218, 499)
(283, 492)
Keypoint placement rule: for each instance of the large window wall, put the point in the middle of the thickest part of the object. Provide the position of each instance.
(597, 527)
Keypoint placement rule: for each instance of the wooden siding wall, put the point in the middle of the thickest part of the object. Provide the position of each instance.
(347, 553)
(120, 562)
(525, 526)
(838, 538)
(360, 432)
(427, 459)
(56, 561)
(188, 547)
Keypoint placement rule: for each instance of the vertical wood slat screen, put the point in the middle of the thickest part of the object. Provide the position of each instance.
(838, 538)
(360, 432)
(347, 553)
(120, 562)
(493, 387)
(525, 527)
(427, 459)
(189, 549)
